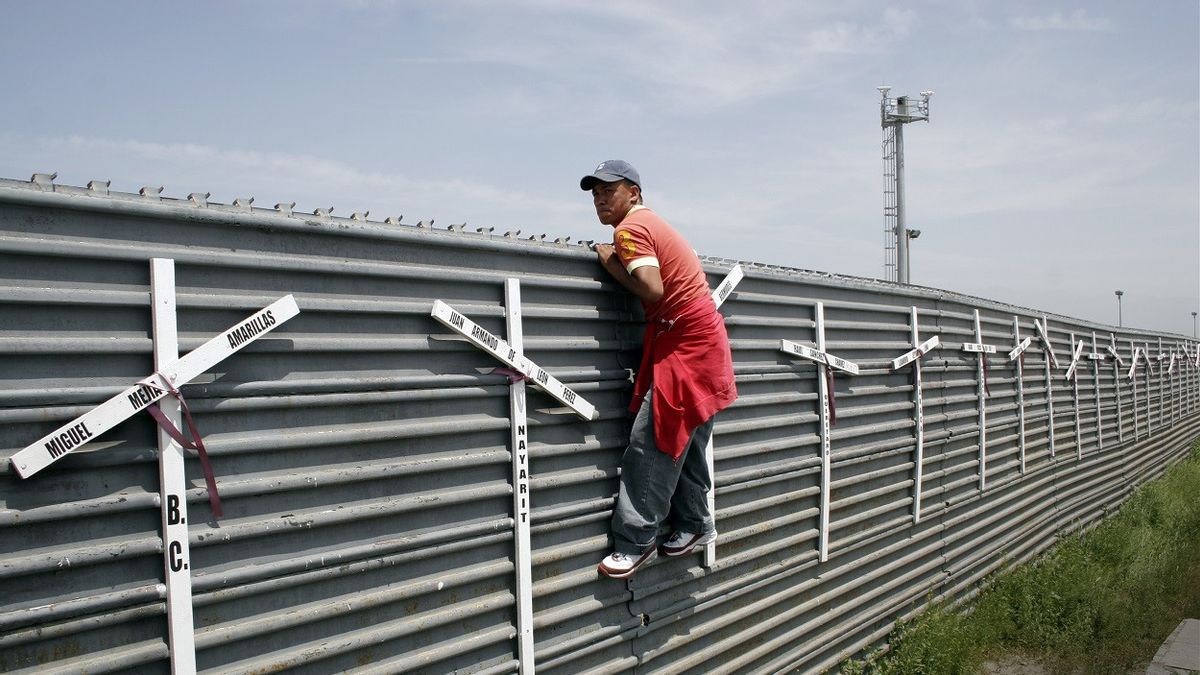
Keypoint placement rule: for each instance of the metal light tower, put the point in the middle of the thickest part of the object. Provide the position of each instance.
(1119, 294)
(1193, 324)
(894, 113)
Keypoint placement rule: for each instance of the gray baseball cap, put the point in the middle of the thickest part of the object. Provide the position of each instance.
(611, 171)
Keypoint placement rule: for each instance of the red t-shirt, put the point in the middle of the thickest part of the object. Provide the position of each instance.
(687, 361)
(643, 238)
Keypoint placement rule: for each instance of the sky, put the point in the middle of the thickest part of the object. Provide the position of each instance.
(1061, 160)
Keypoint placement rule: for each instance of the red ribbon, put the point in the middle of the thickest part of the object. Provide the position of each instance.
(513, 376)
(832, 398)
(197, 443)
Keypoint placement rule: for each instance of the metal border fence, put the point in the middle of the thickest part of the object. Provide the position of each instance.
(366, 454)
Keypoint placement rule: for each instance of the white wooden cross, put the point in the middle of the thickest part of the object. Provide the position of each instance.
(1162, 394)
(1048, 353)
(825, 361)
(719, 295)
(1096, 356)
(1196, 375)
(1117, 363)
(978, 347)
(1016, 355)
(1134, 361)
(1176, 398)
(510, 353)
(1073, 378)
(519, 430)
(171, 372)
(913, 356)
(1149, 368)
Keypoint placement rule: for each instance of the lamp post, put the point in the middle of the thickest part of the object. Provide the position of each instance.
(909, 234)
(1193, 324)
(894, 113)
(1119, 294)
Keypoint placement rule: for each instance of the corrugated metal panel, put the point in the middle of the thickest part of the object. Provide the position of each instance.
(363, 460)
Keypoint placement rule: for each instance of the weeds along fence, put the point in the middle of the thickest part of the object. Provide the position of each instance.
(364, 452)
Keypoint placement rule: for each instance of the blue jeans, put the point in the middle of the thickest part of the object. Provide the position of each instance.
(653, 486)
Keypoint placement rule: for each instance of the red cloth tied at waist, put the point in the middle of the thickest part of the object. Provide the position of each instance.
(688, 362)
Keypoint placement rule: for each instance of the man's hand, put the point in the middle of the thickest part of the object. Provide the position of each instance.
(610, 261)
(603, 253)
(646, 282)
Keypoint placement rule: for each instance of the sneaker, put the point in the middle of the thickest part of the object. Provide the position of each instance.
(620, 565)
(683, 543)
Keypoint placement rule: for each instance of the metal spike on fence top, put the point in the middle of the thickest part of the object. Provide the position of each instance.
(100, 187)
(485, 230)
(199, 198)
(393, 220)
(456, 227)
(360, 215)
(44, 181)
(285, 209)
(323, 213)
(425, 225)
(537, 237)
(512, 234)
(150, 192)
(562, 240)
(244, 203)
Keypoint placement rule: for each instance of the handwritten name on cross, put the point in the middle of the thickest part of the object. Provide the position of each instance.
(916, 353)
(978, 348)
(726, 286)
(1020, 349)
(476, 335)
(76, 433)
(823, 358)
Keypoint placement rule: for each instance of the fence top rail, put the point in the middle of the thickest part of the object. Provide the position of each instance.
(42, 191)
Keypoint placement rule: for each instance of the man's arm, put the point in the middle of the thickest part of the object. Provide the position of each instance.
(645, 282)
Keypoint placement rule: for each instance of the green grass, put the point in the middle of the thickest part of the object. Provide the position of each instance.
(1100, 602)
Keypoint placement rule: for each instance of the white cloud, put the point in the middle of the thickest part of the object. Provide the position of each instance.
(714, 55)
(1078, 21)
